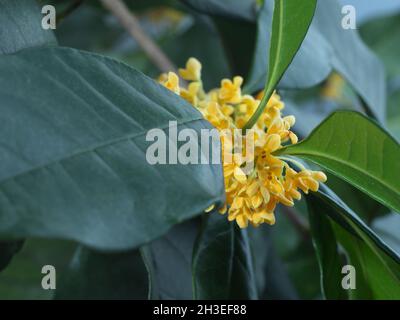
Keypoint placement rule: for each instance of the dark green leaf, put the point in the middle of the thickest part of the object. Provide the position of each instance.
(21, 26)
(290, 22)
(73, 149)
(320, 53)
(357, 150)
(314, 50)
(98, 275)
(326, 248)
(222, 262)
(168, 260)
(377, 265)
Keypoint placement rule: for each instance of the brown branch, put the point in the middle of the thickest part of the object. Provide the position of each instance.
(131, 23)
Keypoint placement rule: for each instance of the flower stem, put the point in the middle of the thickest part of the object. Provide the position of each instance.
(263, 103)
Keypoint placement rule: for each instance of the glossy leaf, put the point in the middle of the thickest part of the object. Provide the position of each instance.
(73, 152)
(290, 22)
(357, 150)
(222, 262)
(21, 26)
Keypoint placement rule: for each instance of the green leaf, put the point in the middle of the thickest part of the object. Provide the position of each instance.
(326, 248)
(73, 152)
(314, 50)
(322, 52)
(290, 22)
(357, 150)
(222, 262)
(21, 26)
(172, 255)
(377, 265)
(100, 275)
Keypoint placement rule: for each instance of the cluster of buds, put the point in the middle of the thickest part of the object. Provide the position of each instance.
(251, 195)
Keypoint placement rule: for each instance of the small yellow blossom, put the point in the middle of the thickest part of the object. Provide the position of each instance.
(230, 91)
(191, 93)
(192, 71)
(251, 195)
(170, 81)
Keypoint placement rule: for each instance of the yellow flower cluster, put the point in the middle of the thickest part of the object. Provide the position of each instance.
(251, 196)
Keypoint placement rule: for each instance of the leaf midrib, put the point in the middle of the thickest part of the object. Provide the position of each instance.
(278, 48)
(96, 147)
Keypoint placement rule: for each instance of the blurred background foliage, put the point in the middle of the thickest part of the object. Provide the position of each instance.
(224, 42)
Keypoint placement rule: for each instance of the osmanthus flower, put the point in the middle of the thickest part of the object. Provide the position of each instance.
(256, 180)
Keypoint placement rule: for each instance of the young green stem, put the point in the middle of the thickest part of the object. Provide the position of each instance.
(263, 103)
